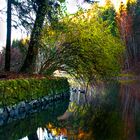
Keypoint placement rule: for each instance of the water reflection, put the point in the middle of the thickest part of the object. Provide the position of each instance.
(99, 119)
(33, 136)
(108, 111)
(46, 134)
(130, 101)
(27, 128)
(112, 112)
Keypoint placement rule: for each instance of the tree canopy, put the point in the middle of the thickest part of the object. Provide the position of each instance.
(86, 44)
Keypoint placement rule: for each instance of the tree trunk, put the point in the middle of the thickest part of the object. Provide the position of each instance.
(8, 40)
(29, 65)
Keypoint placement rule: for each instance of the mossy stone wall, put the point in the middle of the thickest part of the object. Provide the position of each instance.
(17, 90)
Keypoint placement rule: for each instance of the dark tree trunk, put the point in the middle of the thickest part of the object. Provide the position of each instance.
(8, 40)
(29, 65)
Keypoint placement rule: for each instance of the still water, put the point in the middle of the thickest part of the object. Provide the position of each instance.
(108, 112)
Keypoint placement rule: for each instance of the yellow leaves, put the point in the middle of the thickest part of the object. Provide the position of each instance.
(72, 107)
(51, 33)
(91, 48)
(132, 1)
(55, 131)
(117, 3)
(50, 126)
(25, 40)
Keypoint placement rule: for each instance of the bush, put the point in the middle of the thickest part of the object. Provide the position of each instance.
(14, 91)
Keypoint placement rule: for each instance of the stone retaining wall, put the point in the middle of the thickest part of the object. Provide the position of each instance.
(24, 108)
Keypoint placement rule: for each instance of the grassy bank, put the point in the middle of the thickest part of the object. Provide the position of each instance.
(16, 90)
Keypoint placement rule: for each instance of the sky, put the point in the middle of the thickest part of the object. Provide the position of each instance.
(17, 34)
(2, 25)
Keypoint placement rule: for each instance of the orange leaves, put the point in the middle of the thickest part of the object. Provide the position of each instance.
(125, 22)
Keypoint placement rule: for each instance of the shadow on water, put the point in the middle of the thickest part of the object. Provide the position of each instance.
(107, 112)
(28, 127)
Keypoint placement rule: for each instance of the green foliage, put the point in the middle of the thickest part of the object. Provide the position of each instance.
(108, 14)
(22, 45)
(134, 9)
(85, 45)
(14, 91)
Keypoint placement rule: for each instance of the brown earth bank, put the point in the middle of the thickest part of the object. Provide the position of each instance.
(134, 70)
(14, 75)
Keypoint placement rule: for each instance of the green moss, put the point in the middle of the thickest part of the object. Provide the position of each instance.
(14, 91)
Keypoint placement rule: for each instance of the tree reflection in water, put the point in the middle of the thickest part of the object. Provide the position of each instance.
(130, 101)
(33, 136)
(111, 112)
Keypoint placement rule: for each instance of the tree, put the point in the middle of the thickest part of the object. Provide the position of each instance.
(125, 21)
(84, 46)
(134, 8)
(8, 40)
(29, 64)
(42, 9)
(108, 14)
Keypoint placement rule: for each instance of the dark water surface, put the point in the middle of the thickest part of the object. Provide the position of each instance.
(110, 112)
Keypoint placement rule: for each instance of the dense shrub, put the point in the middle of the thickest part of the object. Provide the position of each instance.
(14, 91)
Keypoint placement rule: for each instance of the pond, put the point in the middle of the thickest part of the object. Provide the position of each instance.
(110, 112)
